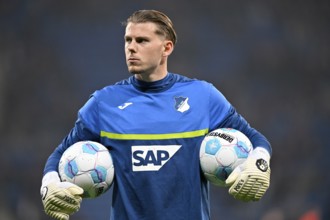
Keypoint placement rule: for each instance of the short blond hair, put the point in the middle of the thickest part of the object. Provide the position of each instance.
(164, 23)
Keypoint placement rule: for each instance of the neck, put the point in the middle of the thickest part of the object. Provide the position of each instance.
(150, 77)
(154, 86)
(153, 74)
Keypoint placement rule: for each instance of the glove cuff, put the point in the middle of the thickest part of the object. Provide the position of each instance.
(260, 153)
(50, 177)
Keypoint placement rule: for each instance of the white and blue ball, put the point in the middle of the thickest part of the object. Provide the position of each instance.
(221, 151)
(89, 165)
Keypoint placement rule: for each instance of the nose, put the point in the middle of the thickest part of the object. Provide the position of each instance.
(131, 46)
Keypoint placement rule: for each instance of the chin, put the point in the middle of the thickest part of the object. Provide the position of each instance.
(134, 71)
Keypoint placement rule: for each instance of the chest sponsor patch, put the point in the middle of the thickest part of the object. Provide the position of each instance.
(152, 157)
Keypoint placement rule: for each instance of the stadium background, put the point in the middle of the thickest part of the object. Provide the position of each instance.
(270, 58)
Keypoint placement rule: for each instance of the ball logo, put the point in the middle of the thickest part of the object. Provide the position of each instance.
(152, 157)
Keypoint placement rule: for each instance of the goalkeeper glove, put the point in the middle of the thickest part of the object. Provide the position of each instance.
(250, 180)
(60, 199)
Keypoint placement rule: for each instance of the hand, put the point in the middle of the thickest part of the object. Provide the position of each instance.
(60, 199)
(250, 181)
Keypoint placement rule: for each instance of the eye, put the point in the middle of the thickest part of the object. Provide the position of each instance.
(141, 40)
(128, 40)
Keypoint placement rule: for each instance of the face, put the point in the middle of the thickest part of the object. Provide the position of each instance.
(146, 52)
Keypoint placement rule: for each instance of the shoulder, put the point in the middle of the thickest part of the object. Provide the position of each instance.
(115, 87)
(124, 82)
(203, 88)
(194, 82)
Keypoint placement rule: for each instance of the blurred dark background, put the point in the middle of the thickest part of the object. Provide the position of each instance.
(271, 59)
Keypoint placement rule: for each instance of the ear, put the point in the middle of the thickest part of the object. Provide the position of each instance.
(168, 48)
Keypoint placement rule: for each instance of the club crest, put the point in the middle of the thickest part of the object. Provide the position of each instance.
(181, 104)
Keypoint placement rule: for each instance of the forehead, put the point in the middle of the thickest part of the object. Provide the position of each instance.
(141, 29)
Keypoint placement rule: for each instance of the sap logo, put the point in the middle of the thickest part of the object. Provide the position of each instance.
(152, 157)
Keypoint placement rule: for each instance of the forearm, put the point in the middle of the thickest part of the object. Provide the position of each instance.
(236, 121)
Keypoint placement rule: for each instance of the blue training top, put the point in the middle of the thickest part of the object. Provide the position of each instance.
(153, 131)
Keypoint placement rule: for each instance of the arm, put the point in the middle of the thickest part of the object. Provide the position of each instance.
(61, 199)
(249, 181)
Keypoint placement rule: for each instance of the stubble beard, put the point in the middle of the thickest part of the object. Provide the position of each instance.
(139, 71)
(133, 71)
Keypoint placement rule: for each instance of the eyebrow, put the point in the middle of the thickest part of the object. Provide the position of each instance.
(138, 37)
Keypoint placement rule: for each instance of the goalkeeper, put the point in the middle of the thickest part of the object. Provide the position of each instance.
(153, 124)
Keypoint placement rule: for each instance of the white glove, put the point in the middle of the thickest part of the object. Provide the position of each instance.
(60, 199)
(250, 180)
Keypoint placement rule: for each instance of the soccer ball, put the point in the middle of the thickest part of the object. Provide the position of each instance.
(221, 151)
(89, 165)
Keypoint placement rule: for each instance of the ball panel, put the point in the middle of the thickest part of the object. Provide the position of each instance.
(212, 146)
(84, 180)
(86, 162)
(221, 174)
(90, 148)
(243, 149)
(208, 163)
(226, 156)
(103, 158)
(71, 169)
(98, 174)
(96, 190)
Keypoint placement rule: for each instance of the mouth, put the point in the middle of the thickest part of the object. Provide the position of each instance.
(132, 59)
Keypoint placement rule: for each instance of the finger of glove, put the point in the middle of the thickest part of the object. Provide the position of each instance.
(63, 201)
(75, 190)
(232, 177)
(70, 194)
(59, 207)
(58, 215)
(67, 197)
(248, 193)
(252, 195)
(249, 187)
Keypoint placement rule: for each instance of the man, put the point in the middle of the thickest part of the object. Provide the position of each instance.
(155, 111)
